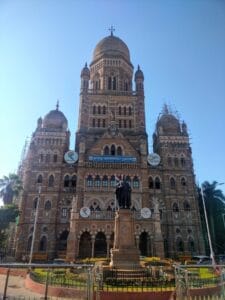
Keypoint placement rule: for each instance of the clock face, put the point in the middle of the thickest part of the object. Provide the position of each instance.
(71, 157)
(145, 212)
(153, 159)
(85, 212)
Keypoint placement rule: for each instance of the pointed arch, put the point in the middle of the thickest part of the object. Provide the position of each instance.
(51, 181)
(74, 181)
(66, 181)
(106, 150)
(43, 244)
(172, 183)
(150, 183)
(157, 183)
(39, 178)
(85, 245)
(175, 207)
(100, 246)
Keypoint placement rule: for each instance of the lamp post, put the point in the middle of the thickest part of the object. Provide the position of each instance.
(35, 226)
(207, 228)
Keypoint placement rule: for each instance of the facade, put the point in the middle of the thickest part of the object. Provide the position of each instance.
(76, 204)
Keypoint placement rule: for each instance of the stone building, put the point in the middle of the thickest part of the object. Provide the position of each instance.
(76, 204)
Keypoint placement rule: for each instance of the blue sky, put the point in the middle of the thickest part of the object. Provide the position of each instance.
(180, 46)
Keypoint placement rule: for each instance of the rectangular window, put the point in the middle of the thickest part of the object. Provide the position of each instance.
(64, 212)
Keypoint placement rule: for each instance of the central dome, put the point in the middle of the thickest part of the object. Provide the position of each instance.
(111, 46)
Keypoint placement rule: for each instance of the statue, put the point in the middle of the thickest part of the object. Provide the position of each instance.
(123, 194)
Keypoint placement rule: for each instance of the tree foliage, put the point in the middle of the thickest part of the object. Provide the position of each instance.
(10, 188)
(215, 209)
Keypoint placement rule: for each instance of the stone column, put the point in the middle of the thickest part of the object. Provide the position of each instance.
(124, 254)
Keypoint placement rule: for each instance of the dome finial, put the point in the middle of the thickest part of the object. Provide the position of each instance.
(57, 105)
(111, 29)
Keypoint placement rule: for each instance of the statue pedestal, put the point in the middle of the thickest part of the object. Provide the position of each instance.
(124, 254)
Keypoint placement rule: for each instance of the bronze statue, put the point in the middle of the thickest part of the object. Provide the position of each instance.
(123, 194)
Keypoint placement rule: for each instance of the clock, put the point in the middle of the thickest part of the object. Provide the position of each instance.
(145, 212)
(85, 212)
(71, 157)
(153, 159)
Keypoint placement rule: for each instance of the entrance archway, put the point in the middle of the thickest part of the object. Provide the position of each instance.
(85, 245)
(144, 244)
(100, 249)
(63, 240)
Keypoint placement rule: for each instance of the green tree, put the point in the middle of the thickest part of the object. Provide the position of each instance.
(215, 208)
(8, 214)
(10, 188)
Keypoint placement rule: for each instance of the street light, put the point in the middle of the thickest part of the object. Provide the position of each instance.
(35, 226)
(208, 232)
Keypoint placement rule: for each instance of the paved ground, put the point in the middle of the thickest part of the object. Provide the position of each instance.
(16, 289)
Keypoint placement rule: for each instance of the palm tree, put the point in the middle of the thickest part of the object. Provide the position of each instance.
(10, 188)
(215, 207)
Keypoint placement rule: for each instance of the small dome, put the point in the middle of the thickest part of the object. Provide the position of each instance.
(168, 124)
(111, 46)
(55, 120)
(139, 74)
(85, 71)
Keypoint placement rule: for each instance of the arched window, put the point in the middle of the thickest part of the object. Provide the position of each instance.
(169, 161)
(172, 183)
(187, 206)
(105, 181)
(106, 150)
(51, 181)
(94, 110)
(191, 245)
(150, 183)
(179, 245)
(136, 182)
(47, 158)
(89, 181)
(113, 181)
(43, 244)
(113, 150)
(175, 207)
(114, 83)
(183, 181)
(119, 151)
(176, 163)
(97, 181)
(66, 181)
(35, 203)
(157, 183)
(39, 179)
(182, 161)
(120, 110)
(130, 111)
(109, 83)
(48, 205)
(74, 181)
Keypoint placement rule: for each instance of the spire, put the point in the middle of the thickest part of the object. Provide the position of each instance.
(57, 105)
(165, 109)
(111, 29)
